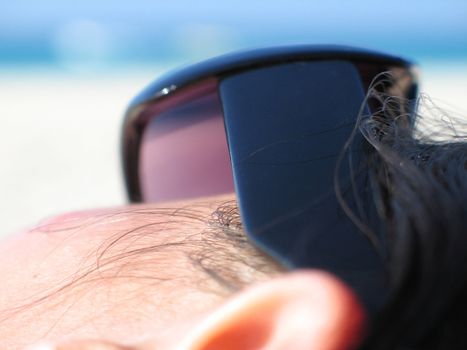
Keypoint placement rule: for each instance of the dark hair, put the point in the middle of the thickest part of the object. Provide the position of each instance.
(418, 173)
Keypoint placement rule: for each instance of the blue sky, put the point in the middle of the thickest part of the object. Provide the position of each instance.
(51, 32)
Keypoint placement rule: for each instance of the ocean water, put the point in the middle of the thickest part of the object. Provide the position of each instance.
(59, 135)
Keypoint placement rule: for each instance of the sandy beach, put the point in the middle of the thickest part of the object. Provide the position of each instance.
(59, 143)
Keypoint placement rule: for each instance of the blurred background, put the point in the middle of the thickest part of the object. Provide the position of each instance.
(68, 71)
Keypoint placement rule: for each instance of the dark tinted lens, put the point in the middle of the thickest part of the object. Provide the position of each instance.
(290, 187)
(184, 151)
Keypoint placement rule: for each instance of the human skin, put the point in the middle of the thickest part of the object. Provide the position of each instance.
(120, 277)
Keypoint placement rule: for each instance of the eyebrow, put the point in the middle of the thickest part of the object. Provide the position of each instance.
(217, 247)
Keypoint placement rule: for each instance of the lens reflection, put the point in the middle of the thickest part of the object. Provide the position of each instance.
(184, 152)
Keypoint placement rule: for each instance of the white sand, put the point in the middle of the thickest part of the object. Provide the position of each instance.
(59, 144)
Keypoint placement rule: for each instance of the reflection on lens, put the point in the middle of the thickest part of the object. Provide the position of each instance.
(184, 152)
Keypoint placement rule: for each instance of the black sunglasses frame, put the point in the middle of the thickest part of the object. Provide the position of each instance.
(230, 64)
(236, 72)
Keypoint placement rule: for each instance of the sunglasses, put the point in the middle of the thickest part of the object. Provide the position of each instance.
(272, 125)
